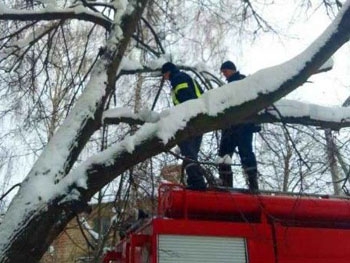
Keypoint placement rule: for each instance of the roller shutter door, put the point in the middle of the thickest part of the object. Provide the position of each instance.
(203, 249)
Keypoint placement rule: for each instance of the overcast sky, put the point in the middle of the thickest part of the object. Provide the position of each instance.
(330, 88)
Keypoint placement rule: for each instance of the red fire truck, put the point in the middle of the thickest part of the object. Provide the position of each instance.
(238, 227)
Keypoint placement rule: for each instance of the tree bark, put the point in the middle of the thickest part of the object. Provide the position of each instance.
(41, 223)
(33, 229)
(331, 154)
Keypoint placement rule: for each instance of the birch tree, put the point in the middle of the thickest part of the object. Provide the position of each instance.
(58, 186)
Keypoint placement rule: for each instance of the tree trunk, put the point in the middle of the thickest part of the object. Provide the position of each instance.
(331, 154)
(26, 236)
(31, 223)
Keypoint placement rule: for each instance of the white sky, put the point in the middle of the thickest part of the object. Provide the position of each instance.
(269, 50)
(39, 188)
(330, 88)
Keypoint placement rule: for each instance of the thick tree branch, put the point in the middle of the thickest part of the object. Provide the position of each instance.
(293, 112)
(301, 120)
(79, 13)
(134, 149)
(41, 220)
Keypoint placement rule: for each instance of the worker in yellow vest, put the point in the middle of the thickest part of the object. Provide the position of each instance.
(185, 88)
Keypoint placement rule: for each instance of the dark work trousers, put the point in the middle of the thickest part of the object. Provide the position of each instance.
(240, 136)
(189, 150)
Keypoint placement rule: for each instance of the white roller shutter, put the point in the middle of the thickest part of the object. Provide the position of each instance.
(203, 249)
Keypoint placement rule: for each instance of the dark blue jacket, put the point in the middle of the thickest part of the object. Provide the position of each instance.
(246, 127)
(236, 76)
(183, 87)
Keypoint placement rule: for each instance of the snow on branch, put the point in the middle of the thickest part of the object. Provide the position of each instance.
(119, 115)
(85, 224)
(218, 108)
(326, 66)
(295, 112)
(41, 189)
(19, 47)
(54, 13)
(286, 111)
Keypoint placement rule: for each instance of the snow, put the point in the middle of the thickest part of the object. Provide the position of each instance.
(215, 101)
(39, 189)
(128, 64)
(328, 65)
(200, 66)
(51, 6)
(43, 182)
(120, 112)
(226, 159)
(292, 108)
(89, 229)
(176, 119)
(144, 115)
(171, 121)
(122, 7)
(120, 4)
(3, 9)
(158, 63)
(79, 9)
(149, 116)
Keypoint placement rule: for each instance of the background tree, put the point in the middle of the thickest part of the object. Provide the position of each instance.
(63, 179)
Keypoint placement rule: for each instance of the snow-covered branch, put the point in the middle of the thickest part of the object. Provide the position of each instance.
(125, 115)
(219, 108)
(42, 185)
(53, 13)
(294, 112)
(286, 111)
(53, 192)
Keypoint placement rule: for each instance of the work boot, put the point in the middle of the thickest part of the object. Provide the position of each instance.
(195, 178)
(196, 187)
(253, 183)
(196, 183)
(225, 174)
(252, 178)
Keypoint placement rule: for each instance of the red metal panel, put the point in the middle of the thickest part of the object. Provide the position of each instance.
(309, 229)
(112, 257)
(258, 236)
(307, 208)
(312, 245)
(137, 241)
(208, 228)
(180, 203)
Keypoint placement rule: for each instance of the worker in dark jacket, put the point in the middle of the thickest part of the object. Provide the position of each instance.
(240, 136)
(185, 88)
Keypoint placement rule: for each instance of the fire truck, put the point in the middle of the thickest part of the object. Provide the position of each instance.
(233, 226)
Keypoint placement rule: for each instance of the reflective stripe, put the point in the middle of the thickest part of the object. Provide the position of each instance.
(196, 89)
(184, 85)
(181, 86)
(173, 96)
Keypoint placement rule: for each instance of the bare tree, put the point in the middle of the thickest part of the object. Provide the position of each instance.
(35, 216)
(293, 159)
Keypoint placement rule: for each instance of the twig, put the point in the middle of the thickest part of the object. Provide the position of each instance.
(8, 191)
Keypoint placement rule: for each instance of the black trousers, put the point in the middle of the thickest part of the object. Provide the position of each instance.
(241, 137)
(190, 149)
